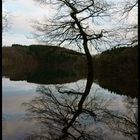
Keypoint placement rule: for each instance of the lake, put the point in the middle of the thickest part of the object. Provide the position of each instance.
(116, 115)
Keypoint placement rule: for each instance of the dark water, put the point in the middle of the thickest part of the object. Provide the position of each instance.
(38, 104)
(53, 75)
(14, 93)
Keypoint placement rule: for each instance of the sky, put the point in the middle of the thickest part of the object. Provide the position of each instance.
(21, 14)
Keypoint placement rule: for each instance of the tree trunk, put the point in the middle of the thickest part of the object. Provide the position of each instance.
(89, 76)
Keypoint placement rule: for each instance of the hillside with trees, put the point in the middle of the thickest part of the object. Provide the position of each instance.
(42, 64)
(115, 69)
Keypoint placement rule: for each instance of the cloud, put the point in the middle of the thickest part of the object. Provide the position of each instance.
(28, 8)
(21, 16)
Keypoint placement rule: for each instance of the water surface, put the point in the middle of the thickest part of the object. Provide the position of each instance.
(15, 93)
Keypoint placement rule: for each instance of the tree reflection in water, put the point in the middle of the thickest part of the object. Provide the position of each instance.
(55, 109)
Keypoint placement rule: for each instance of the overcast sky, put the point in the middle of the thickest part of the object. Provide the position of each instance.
(20, 16)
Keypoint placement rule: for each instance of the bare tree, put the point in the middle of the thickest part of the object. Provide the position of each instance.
(74, 24)
(54, 110)
(124, 122)
(5, 19)
(130, 30)
(130, 6)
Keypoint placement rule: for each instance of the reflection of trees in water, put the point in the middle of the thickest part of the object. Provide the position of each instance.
(125, 122)
(55, 111)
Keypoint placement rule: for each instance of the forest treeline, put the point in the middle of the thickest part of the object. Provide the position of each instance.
(42, 64)
(116, 69)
